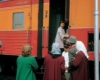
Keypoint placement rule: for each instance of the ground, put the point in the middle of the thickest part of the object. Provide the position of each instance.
(7, 77)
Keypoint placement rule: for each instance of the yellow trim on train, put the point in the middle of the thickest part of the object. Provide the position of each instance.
(30, 17)
(6, 17)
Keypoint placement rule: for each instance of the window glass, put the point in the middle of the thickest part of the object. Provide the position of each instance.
(18, 20)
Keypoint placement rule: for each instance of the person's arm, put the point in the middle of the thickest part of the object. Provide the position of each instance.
(63, 54)
(63, 68)
(60, 33)
(34, 63)
(76, 62)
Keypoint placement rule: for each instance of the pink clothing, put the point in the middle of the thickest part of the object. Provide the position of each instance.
(59, 37)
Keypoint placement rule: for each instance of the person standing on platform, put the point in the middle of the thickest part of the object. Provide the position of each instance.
(54, 64)
(72, 51)
(60, 35)
(26, 65)
(65, 54)
(72, 42)
(80, 63)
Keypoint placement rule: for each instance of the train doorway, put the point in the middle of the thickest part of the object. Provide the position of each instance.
(59, 11)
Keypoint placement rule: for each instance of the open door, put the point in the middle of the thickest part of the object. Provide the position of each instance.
(54, 11)
(59, 11)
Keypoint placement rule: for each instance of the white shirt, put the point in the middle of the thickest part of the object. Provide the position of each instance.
(66, 57)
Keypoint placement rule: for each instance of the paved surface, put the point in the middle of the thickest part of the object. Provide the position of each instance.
(7, 77)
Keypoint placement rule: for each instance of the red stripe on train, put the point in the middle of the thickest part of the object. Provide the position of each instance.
(12, 3)
(82, 34)
(14, 40)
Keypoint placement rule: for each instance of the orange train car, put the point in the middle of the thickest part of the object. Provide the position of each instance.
(82, 23)
(36, 22)
(24, 21)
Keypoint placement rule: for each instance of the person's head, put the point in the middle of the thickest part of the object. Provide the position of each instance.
(81, 47)
(72, 40)
(0, 44)
(62, 24)
(26, 50)
(66, 48)
(55, 49)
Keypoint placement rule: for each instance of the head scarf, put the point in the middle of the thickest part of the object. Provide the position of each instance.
(80, 47)
(55, 49)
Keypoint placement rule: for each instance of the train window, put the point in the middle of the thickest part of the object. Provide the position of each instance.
(91, 42)
(18, 20)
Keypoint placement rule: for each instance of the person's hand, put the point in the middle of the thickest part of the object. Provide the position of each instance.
(65, 67)
(73, 58)
(66, 35)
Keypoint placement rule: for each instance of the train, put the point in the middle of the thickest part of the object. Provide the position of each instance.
(36, 22)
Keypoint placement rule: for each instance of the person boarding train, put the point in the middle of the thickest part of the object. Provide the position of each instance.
(60, 35)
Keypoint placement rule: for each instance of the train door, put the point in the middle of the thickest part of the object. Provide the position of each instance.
(53, 11)
(58, 12)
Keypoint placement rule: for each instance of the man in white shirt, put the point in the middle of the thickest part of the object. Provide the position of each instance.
(66, 57)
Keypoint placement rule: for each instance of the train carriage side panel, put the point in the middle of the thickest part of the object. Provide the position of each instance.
(82, 21)
(34, 27)
(11, 38)
(14, 39)
(7, 17)
(10, 3)
(81, 13)
(45, 29)
(27, 34)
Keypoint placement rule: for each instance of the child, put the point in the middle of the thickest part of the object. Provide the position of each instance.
(66, 57)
